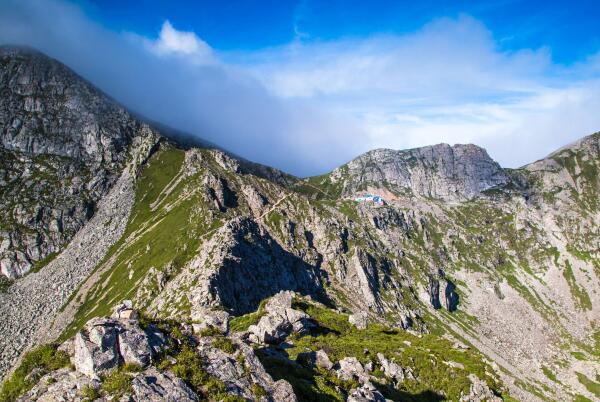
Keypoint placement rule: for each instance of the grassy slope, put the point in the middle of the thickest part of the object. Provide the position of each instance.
(430, 357)
(503, 252)
(159, 239)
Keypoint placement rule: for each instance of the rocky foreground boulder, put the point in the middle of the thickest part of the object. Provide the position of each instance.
(279, 321)
(117, 358)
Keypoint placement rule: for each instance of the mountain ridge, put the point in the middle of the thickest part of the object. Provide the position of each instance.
(500, 261)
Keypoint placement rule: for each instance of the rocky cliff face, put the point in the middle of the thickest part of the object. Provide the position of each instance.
(63, 144)
(449, 173)
(464, 258)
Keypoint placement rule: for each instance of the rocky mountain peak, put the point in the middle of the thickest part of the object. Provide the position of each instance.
(442, 171)
(63, 144)
(48, 109)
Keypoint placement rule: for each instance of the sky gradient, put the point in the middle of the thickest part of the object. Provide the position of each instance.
(307, 85)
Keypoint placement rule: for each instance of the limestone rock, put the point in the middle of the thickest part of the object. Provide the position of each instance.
(125, 310)
(366, 393)
(217, 319)
(60, 385)
(479, 392)
(281, 320)
(134, 344)
(322, 360)
(283, 392)
(240, 370)
(450, 173)
(105, 343)
(360, 320)
(350, 368)
(83, 138)
(391, 369)
(315, 359)
(96, 347)
(154, 386)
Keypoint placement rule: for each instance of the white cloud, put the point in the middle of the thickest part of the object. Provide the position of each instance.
(180, 43)
(311, 105)
(448, 82)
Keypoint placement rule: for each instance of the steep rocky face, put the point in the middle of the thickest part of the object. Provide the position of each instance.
(48, 109)
(450, 173)
(62, 146)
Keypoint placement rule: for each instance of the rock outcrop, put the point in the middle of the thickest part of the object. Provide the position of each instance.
(360, 320)
(242, 372)
(479, 392)
(449, 173)
(394, 371)
(155, 386)
(63, 145)
(279, 321)
(318, 359)
(61, 385)
(366, 393)
(349, 368)
(107, 345)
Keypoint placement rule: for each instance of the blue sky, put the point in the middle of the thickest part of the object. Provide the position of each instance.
(569, 29)
(307, 85)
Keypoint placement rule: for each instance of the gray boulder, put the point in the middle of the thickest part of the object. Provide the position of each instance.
(479, 392)
(217, 319)
(281, 320)
(350, 368)
(105, 343)
(241, 370)
(391, 369)
(360, 320)
(134, 344)
(95, 347)
(154, 386)
(125, 310)
(283, 392)
(366, 393)
(60, 385)
(316, 359)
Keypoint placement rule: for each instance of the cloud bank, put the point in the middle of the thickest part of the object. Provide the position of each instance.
(309, 106)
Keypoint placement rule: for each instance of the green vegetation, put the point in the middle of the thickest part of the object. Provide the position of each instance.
(258, 391)
(590, 385)
(46, 358)
(188, 367)
(4, 283)
(243, 322)
(168, 221)
(182, 359)
(548, 373)
(348, 208)
(117, 382)
(578, 293)
(90, 393)
(223, 343)
(43, 262)
(427, 356)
